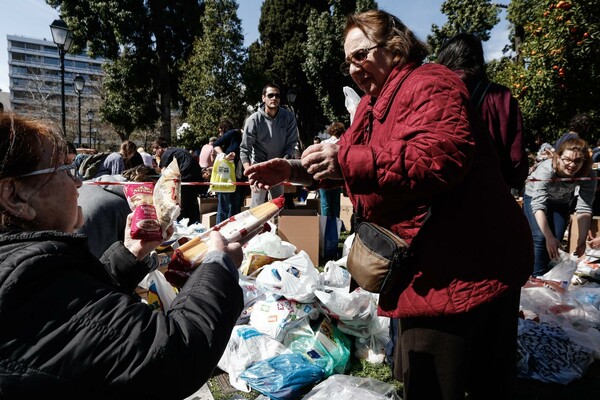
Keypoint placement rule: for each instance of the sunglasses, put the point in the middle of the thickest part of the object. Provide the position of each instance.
(275, 95)
(70, 169)
(357, 58)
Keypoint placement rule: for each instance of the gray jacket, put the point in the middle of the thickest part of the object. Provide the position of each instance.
(559, 192)
(265, 138)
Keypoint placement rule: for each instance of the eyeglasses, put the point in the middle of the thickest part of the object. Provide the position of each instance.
(271, 95)
(70, 169)
(357, 58)
(577, 161)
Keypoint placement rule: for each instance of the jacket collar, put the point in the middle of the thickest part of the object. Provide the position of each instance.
(381, 104)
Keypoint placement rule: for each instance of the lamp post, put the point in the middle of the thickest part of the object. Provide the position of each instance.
(62, 37)
(90, 117)
(79, 84)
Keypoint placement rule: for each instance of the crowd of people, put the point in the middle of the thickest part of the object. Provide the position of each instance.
(435, 153)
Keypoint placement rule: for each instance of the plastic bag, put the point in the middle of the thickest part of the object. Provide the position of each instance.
(328, 348)
(294, 278)
(144, 223)
(277, 318)
(222, 177)
(160, 292)
(351, 101)
(352, 387)
(167, 195)
(281, 377)
(245, 347)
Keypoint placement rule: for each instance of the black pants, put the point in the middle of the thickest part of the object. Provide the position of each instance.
(474, 352)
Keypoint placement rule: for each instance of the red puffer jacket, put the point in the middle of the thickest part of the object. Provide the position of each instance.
(419, 146)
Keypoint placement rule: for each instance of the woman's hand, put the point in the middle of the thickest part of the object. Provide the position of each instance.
(269, 173)
(593, 242)
(320, 160)
(141, 248)
(553, 245)
(233, 249)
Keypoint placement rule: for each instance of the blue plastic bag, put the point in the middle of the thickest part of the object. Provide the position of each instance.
(281, 377)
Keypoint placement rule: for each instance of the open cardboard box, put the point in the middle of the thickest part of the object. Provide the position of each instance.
(300, 227)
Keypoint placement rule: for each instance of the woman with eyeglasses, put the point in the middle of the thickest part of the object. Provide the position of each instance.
(549, 190)
(417, 160)
(71, 325)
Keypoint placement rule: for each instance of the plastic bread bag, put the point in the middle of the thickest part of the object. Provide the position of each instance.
(167, 194)
(144, 225)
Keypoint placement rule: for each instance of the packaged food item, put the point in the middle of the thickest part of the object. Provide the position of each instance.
(167, 195)
(144, 225)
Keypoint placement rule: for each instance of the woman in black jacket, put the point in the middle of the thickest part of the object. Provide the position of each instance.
(70, 326)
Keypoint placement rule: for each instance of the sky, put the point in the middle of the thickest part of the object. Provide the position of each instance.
(32, 18)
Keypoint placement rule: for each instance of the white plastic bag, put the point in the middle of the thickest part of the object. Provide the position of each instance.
(294, 278)
(352, 387)
(160, 292)
(245, 347)
(351, 102)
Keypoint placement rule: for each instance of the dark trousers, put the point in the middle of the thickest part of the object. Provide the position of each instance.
(229, 204)
(475, 352)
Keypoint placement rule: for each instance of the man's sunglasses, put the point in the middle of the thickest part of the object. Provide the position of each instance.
(275, 95)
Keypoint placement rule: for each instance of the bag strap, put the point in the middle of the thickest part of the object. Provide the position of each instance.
(479, 93)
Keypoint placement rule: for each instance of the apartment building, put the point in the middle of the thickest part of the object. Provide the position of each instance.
(34, 82)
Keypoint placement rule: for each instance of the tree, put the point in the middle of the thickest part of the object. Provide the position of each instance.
(558, 74)
(324, 54)
(464, 16)
(211, 84)
(278, 58)
(164, 29)
(135, 108)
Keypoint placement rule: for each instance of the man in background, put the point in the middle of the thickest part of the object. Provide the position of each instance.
(270, 132)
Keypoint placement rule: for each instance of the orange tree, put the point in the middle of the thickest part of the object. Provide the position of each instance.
(557, 68)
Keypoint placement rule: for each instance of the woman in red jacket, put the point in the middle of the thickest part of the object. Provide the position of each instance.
(415, 146)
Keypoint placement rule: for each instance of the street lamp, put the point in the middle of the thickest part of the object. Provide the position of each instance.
(79, 84)
(90, 117)
(62, 37)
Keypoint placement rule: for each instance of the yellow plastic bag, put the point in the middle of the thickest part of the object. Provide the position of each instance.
(222, 178)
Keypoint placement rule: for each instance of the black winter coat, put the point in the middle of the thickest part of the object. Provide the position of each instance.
(70, 327)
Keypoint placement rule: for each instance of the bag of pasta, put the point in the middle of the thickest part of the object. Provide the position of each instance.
(222, 178)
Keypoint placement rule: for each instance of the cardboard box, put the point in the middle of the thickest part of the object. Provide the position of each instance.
(301, 228)
(207, 204)
(209, 219)
(574, 231)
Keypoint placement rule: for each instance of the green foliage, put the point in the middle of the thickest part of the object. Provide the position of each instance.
(279, 55)
(154, 32)
(470, 16)
(128, 104)
(211, 83)
(557, 74)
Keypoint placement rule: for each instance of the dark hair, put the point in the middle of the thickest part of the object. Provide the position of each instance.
(71, 148)
(317, 139)
(582, 125)
(388, 31)
(141, 173)
(270, 85)
(463, 52)
(336, 129)
(578, 145)
(226, 124)
(160, 142)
